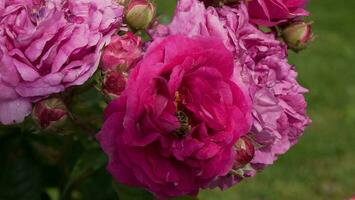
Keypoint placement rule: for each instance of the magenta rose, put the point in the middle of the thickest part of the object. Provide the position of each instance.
(274, 12)
(173, 129)
(47, 46)
(262, 69)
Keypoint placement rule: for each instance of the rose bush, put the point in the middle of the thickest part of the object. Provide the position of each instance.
(174, 127)
(47, 46)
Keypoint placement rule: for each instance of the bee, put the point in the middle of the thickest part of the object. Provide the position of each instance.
(185, 127)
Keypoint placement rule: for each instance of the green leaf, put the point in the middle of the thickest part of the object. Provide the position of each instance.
(19, 177)
(98, 186)
(165, 10)
(88, 163)
(130, 193)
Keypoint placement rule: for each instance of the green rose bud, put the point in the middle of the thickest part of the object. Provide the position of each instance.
(298, 35)
(140, 14)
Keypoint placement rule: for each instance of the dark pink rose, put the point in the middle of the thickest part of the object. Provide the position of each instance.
(273, 12)
(48, 46)
(173, 129)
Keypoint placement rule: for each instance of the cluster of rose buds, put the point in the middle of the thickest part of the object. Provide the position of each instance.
(117, 59)
(125, 50)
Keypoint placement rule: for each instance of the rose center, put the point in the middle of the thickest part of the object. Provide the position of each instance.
(182, 117)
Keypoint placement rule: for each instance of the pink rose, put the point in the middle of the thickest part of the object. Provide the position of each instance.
(274, 12)
(173, 129)
(122, 52)
(47, 46)
(261, 69)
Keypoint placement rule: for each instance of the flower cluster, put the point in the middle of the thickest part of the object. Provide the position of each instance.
(260, 70)
(47, 46)
(206, 101)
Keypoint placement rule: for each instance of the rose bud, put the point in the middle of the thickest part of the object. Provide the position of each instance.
(114, 83)
(50, 113)
(297, 35)
(140, 14)
(244, 152)
(122, 52)
(123, 2)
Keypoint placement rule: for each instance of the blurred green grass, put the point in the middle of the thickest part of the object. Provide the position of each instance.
(322, 165)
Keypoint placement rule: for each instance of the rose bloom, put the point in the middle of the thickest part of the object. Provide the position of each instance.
(261, 68)
(173, 128)
(274, 12)
(122, 52)
(47, 46)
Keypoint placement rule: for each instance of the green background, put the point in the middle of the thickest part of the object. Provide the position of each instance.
(320, 167)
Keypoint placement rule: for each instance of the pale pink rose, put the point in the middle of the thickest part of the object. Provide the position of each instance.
(47, 46)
